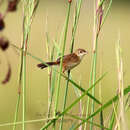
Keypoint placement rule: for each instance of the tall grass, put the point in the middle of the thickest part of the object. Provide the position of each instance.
(117, 120)
(76, 18)
(28, 12)
(121, 115)
(98, 23)
(62, 54)
(29, 8)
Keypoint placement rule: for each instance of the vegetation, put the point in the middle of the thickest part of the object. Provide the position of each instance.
(85, 118)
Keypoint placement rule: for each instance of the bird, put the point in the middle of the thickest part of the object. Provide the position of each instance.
(69, 61)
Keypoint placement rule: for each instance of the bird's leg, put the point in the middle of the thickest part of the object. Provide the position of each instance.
(63, 71)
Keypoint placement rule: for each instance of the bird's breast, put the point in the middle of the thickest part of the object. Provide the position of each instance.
(71, 65)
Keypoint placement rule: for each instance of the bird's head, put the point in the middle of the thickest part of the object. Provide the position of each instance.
(81, 52)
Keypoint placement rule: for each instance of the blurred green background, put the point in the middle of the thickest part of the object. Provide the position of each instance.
(37, 80)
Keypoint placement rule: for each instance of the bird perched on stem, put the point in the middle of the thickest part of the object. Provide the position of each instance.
(69, 61)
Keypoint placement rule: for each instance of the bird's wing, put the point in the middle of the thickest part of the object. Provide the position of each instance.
(70, 58)
(58, 60)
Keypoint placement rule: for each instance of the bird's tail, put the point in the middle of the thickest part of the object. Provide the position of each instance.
(42, 66)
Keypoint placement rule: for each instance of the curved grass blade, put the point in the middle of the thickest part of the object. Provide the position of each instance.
(111, 122)
(79, 118)
(72, 105)
(107, 12)
(114, 99)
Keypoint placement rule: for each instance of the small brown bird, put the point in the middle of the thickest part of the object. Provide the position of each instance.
(69, 61)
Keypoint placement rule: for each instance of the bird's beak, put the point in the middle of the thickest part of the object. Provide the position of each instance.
(86, 52)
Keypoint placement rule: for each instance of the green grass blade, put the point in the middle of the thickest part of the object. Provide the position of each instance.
(27, 122)
(64, 104)
(73, 104)
(28, 8)
(107, 12)
(77, 14)
(112, 119)
(17, 110)
(101, 120)
(101, 3)
(61, 60)
(114, 99)
(95, 124)
(94, 59)
(59, 77)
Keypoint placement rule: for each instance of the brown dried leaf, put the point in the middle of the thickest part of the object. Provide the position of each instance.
(2, 24)
(12, 5)
(8, 75)
(4, 43)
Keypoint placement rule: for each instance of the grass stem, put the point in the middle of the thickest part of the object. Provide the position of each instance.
(77, 13)
(61, 61)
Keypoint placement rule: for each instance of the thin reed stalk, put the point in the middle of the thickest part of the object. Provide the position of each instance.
(19, 86)
(26, 122)
(49, 71)
(98, 23)
(24, 89)
(74, 103)
(120, 86)
(112, 118)
(29, 8)
(95, 39)
(51, 79)
(65, 99)
(77, 14)
(16, 112)
(110, 102)
(61, 61)
(19, 89)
